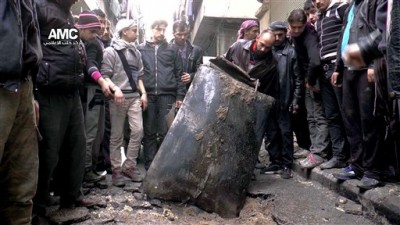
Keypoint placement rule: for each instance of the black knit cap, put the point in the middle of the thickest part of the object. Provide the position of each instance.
(87, 19)
(278, 25)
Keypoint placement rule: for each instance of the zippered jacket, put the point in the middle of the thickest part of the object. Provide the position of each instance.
(162, 68)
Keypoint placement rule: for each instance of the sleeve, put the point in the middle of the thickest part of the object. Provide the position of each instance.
(314, 65)
(107, 65)
(297, 78)
(198, 61)
(181, 90)
(92, 65)
(374, 45)
(140, 68)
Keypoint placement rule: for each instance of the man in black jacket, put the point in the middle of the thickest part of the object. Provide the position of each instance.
(21, 54)
(255, 57)
(61, 114)
(162, 79)
(279, 132)
(192, 55)
(365, 129)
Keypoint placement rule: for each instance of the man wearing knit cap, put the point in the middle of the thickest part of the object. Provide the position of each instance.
(279, 131)
(92, 96)
(123, 68)
(248, 30)
(61, 116)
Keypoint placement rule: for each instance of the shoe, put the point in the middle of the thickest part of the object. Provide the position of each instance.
(301, 153)
(311, 161)
(367, 183)
(81, 202)
(92, 177)
(260, 166)
(334, 162)
(253, 176)
(271, 169)
(346, 173)
(286, 173)
(117, 179)
(133, 174)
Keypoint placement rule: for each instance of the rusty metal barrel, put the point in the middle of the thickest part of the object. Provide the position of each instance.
(209, 153)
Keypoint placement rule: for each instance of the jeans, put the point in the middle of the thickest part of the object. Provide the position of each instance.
(365, 132)
(155, 125)
(330, 96)
(317, 123)
(280, 137)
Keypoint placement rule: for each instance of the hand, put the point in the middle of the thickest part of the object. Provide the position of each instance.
(352, 57)
(178, 104)
(185, 78)
(106, 87)
(312, 88)
(371, 76)
(143, 101)
(294, 108)
(118, 96)
(335, 79)
(36, 108)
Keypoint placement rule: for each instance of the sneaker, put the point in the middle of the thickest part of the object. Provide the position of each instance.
(271, 169)
(133, 174)
(367, 183)
(334, 162)
(92, 177)
(117, 179)
(346, 173)
(300, 153)
(286, 173)
(311, 161)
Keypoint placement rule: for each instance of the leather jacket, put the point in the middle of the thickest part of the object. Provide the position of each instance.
(290, 77)
(19, 42)
(193, 59)
(265, 70)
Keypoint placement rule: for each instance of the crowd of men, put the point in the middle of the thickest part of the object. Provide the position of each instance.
(68, 105)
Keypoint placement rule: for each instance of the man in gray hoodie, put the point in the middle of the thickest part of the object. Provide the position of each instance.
(120, 61)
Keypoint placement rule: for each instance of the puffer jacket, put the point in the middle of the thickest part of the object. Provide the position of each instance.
(19, 41)
(162, 69)
(62, 67)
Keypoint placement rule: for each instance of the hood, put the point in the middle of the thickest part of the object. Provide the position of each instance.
(122, 44)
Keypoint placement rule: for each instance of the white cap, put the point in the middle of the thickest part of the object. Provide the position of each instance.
(122, 24)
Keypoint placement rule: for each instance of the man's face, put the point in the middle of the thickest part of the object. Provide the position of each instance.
(297, 28)
(181, 36)
(159, 33)
(103, 22)
(88, 34)
(321, 5)
(264, 43)
(251, 33)
(312, 15)
(107, 34)
(280, 37)
(130, 34)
